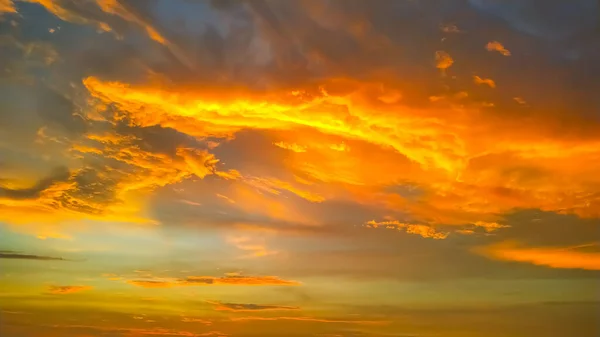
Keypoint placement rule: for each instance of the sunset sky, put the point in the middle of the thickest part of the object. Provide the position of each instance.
(293, 168)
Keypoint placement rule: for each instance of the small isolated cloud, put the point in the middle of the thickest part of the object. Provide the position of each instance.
(561, 258)
(422, 230)
(443, 60)
(497, 46)
(229, 279)
(520, 100)
(61, 290)
(450, 28)
(241, 307)
(484, 81)
(18, 256)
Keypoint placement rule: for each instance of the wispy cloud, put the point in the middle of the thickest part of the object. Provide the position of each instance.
(418, 229)
(487, 81)
(239, 307)
(19, 256)
(306, 319)
(61, 290)
(230, 279)
(141, 331)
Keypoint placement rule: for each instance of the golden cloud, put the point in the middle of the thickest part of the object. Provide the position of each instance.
(237, 307)
(562, 258)
(471, 173)
(61, 290)
(422, 230)
(229, 279)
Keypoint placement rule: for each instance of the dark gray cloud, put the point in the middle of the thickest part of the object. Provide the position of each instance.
(550, 19)
(19, 256)
(54, 108)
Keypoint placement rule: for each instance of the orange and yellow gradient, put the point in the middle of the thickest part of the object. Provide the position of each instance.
(298, 168)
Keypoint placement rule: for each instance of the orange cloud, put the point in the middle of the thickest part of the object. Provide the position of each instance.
(443, 60)
(60, 290)
(490, 226)
(229, 279)
(562, 258)
(237, 307)
(117, 8)
(305, 319)
(497, 46)
(486, 81)
(422, 230)
(7, 6)
(143, 331)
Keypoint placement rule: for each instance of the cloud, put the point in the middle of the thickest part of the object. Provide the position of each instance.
(135, 118)
(306, 319)
(443, 60)
(486, 81)
(18, 256)
(292, 147)
(254, 247)
(59, 175)
(418, 229)
(7, 6)
(60, 290)
(237, 307)
(490, 226)
(139, 331)
(497, 46)
(230, 279)
(561, 258)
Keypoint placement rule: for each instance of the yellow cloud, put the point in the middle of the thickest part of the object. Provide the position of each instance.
(292, 147)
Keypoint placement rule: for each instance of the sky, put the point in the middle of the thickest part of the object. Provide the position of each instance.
(325, 168)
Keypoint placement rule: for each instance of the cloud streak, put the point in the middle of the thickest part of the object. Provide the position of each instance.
(18, 256)
(424, 231)
(233, 279)
(561, 258)
(62, 290)
(244, 307)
